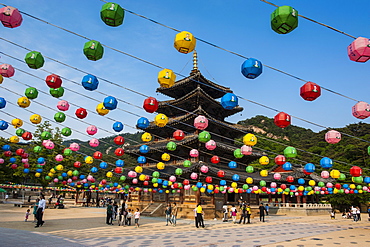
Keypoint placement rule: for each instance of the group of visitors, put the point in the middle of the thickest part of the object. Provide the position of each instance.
(124, 214)
(245, 212)
(171, 214)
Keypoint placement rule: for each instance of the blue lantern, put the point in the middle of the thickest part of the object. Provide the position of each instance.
(41, 160)
(272, 189)
(141, 160)
(251, 68)
(326, 163)
(229, 101)
(6, 147)
(103, 165)
(144, 149)
(249, 191)
(94, 169)
(39, 170)
(90, 82)
(64, 174)
(367, 180)
(345, 186)
(118, 126)
(115, 184)
(199, 184)
(72, 184)
(165, 183)
(309, 167)
(12, 160)
(287, 166)
(3, 125)
(159, 181)
(301, 181)
(82, 176)
(120, 163)
(110, 103)
(2, 102)
(26, 170)
(160, 191)
(236, 177)
(86, 185)
(222, 182)
(292, 187)
(232, 164)
(142, 123)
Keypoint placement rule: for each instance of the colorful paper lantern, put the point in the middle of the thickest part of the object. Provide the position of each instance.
(249, 169)
(81, 113)
(284, 19)
(56, 92)
(142, 123)
(59, 117)
(63, 105)
(277, 176)
(66, 131)
(90, 82)
(310, 91)
(112, 14)
(184, 42)
(264, 160)
(333, 136)
(355, 171)
(146, 137)
(23, 102)
(150, 105)
(119, 140)
(118, 126)
(179, 135)
(110, 103)
(361, 110)
(160, 165)
(171, 146)
(93, 50)
(31, 93)
(229, 101)
(201, 122)
(101, 110)
(53, 81)
(165, 157)
(215, 159)
(359, 50)
(246, 150)
(326, 163)
(35, 119)
(161, 120)
(91, 130)
(204, 169)
(119, 151)
(210, 145)
(10, 17)
(166, 78)
(287, 166)
(94, 142)
(238, 153)
(282, 120)
(34, 60)
(290, 152)
(251, 68)
(250, 139)
(204, 136)
(233, 164)
(2, 102)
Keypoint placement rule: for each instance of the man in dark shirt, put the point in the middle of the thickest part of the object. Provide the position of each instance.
(109, 214)
(243, 214)
(262, 212)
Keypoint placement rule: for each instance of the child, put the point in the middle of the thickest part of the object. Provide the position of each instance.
(332, 215)
(137, 217)
(35, 209)
(129, 216)
(27, 215)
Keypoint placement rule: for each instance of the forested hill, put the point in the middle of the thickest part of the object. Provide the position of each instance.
(349, 149)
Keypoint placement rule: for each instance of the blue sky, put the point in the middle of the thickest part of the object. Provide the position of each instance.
(311, 52)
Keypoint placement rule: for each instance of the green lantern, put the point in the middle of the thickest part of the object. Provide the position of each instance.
(321, 184)
(357, 180)
(47, 178)
(57, 92)
(287, 190)
(308, 188)
(290, 152)
(155, 174)
(194, 188)
(262, 183)
(75, 173)
(238, 153)
(178, 171)
(67, 152)
(45, 135)
(112, 14)
(66, 131)
(60, 117)
(249, 169)
(122, 178)
(37, 149)
(154, 180)
(19, 132)
(31, 93)
(284, 19)
(204, 136)
(187, 163)
(60, 178)
(342, 177)
(180, 185)
(34, 60)
(171, 146)
(245, 186)
(38, 166)
(93, 50)
(368, 150)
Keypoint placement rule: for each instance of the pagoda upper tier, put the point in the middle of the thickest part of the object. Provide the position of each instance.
(192, 101)
(196, 79)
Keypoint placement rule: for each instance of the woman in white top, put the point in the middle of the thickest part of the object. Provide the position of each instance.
(137, 217)
(40, 211)
(233, 212)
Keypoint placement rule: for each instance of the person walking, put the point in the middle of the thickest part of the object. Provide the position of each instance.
(233, 213)
(354, 213)
(35, 206)
(226, 213)
(267, 207)
(174, 214)
(262, 212)
(109, 214)
(243, 213)
(358, 212)
(40, 211)
(249, 213)
(129, 216)
(27, 215)
(168, 214)
(137, 217)
(200, 221)
(368, 211)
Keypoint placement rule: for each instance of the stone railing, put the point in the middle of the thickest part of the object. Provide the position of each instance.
(300, 205)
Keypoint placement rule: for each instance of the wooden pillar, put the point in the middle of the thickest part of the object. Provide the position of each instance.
(270, 198)
(258, 199)
(225, 198)
(298, 199)
(151, 197)
(76, 199)
(166, 198)
(213, 199)
(181, 196)
(283, 198)
(197, 196)
(139, 196)
(304, 199)
(317, 198)
(249, 198)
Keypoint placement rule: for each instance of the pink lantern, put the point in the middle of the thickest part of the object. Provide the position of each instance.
(254, 188)
(92, 130)
(322, 192)
(69, 180)
(84, 180)
(89, 177)
(361, 110)
(94, 142)
(201, 122)
(59, 157)
(44, 142)
(246, 150)
(211, 145)
(187, 187)
(172, 179)
(194, 153)
(325, 174)
(10, 17)
(277, 176)
(6, 70)
(1, 161)
(231, 190)
(24, 160)
(329, 185)
(132, 174)
(56, 180)
(63, 105)
(332, 137)
(204, 169)
(365, 188)
(74, 146)
(135, 181)
(273, 185)
(359, 50)
(49, 145)
(194, 176)
(346, 191)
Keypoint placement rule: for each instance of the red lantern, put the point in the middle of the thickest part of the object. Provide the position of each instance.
(306, 172)
(264, 189)
(215, 159)
(290, 179)
(310, 91)
(14, 166)
(119, 152)
(355, 171)
(64, 182)
(282, 120)
(81, 113)
(119, 140)
(98, 155)
(19, 151)
(209, 180)
(27, 136)
(186, 182)
(26, 165)
(145, 183)
(77, 164)
(221, 173)
(179, 135)
(8, 153)
(25, 156)
(150, 104)
(118, 170)
(103, 181)
(74, 178)
(283, 186)
(53, 81)
(280, 160)
(147, 177)
(338, 186)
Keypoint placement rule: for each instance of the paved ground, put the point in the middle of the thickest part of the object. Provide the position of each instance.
(85, 227)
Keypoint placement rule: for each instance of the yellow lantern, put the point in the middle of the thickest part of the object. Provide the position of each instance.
(352, 186)
(167, 191)
(264, 160)
(109, 174)
(101, 110)
(93, 186)
(137, 189)
(166, 157)
(335, 174)
(14, 139)
(169, 183)
(146, 137)
(279, 190)
(150, 190)
(311, 183)
(161, 120)
(1, 79)
(89, 160)
(236, 191)
(166, 78)
(300, 188)
(160, 165)
(59, 167)
(139, 169)
(234, 185)
(202, 189)
(185, 42)
(69, 173)
(142, 177)
(37, 174)
(360, 191)
(50, 174)
(249, 180)
(35, 119)
(52, 170)
(155, 185)
(23, 102)
(335, 191)
(210, 187)
(17, 123)
(250, 139)
(264, 173)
